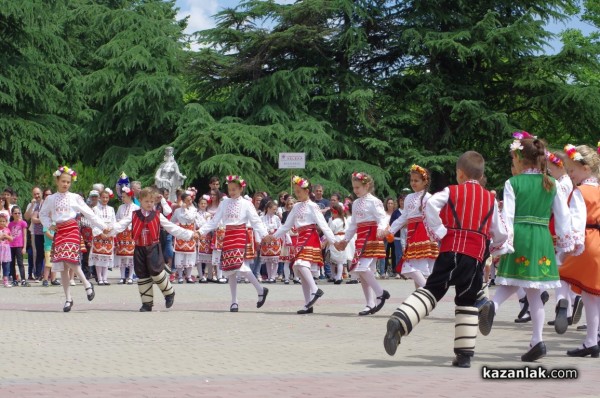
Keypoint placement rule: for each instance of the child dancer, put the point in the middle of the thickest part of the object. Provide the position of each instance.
(420, 252)
(204, 256)
(463, 230)
(306, 216)
(185, 250)
(5, 239)
(288, 252)
(338, 258)
(369, 223)
(235, 212)
(583, 272)
(59, 215)
(269, 252)
(529, 199)
(148, 262)
(18, 230)
(125, 245)
(103, 246)
(217, 238)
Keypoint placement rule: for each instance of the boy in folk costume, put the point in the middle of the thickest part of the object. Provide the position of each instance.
(306, 216)
(59, 214)
(125, 245)
(234, 213)
(148, 261)
(463, 229)
(369, 223)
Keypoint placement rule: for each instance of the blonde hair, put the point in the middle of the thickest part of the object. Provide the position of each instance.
(364, 179)
(590, 158)
(148, 191)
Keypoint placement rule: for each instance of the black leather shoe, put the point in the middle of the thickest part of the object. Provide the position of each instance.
(582, 327)
(577, 309)
(68, 306)
(234, 308)
(394, 333)
(352, 282)
(593, 351)
(146, 307)
(338, 282)
(524, 319)
(305, 311)
(262, 297)
(169, 300)
(382, 298)
(368, 310)
(318, 294)
(534, 353)
(462, 361)
(545, 297)
(561, 322)
(486, 317)
(90, 292)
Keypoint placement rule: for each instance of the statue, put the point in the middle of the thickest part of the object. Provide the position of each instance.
(168, 175)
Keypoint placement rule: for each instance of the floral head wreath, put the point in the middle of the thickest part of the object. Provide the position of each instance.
(554, 159)
(128, 191)
(415, 168)
(192, 191)
(109, 192)
(334, 211)
(238, 179)
(362, 177)
(301, 182)
(516, 145)
(207, 198)
(572, 153)
(64, 169)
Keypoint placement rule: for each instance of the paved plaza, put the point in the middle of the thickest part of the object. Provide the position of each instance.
(106, 348)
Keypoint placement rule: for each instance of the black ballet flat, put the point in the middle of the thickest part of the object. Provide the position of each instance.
(318, 294)
(366, 311)
(234, 308)
(561, 322)
(263, 297)
(146, 307)
(338, 282)
(305, 311)
(593, 351)
(68, 306)
(525, 318)
(90, 296)
(169, 300)
(534, 353)
(382, 298)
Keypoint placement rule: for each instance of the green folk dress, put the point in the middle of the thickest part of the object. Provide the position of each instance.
(533, 263)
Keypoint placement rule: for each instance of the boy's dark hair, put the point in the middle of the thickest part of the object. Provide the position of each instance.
(213, 179)
(472, 164)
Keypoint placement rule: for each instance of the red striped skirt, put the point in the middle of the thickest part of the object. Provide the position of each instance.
(234, 247)
(67, 243)
(367, 245)
(185, 246)
(418, 244)
(309, 245)
(125, 245)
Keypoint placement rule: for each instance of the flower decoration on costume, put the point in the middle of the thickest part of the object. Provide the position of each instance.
(554, 159)
(128, 191)
(65, 170)
(522, 260)
(544, 261)
(109, 192)
(572, 153)
(516, 146)
(362, 177)
(301, 182)
(192, 191)
(335, 212)
(415, 168)
(234, 178)
(519, 135)
(207, 198)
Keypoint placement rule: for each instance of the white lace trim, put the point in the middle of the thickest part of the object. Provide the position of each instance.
(527, 284)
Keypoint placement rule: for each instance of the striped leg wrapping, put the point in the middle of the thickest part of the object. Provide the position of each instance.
(163, 283)
(484, 293)
(416, 307)
(465, 330)
(145, 288)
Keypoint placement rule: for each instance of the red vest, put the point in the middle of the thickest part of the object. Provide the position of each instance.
(145, 230)
(467, 216)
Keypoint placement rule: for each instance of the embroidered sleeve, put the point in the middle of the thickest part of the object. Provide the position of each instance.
(431, 220)
(563, 224)
(578, 212)
(499, 234)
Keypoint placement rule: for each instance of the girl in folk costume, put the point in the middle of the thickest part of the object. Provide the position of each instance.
(204, 256)
(288, 251)
(529, 199)
(103, 246)
(568, 304)
(58, 214)
(185, 250)
(217, 239)
(583, 272)
(306, 216)
(338, 258)
(420, 252)
(269, 252)
(148, 261)
(369, 223)
(124, 243)
(234, 213)
(5, 255)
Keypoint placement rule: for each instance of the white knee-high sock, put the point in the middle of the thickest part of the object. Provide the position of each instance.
(250, 276)
(306, 292)
(233, 288)
(536, 310)
(418, 277)
(66, 283)
(82, 277)
(369, 278)
(219, 272)
(130, 271)
(188, 272)
(503, 292)
(367, 291)
(180, 272)
(564, 292)
(338, 272)
(123, 269)
(591, 305)
(286, 270)
(307, 278)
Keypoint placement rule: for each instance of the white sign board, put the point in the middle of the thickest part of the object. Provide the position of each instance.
(292, 160)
